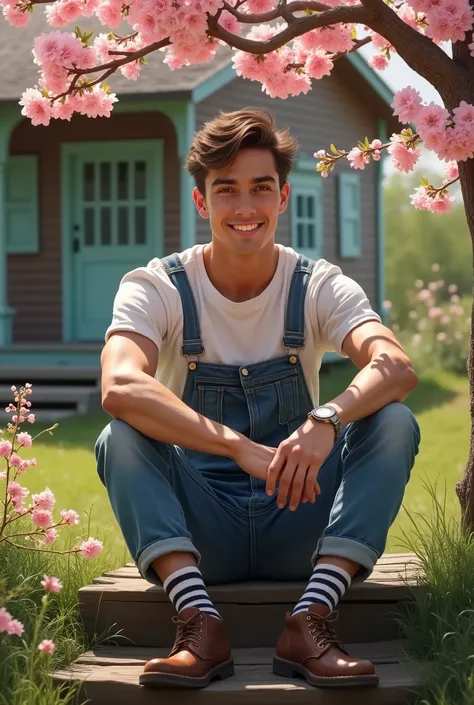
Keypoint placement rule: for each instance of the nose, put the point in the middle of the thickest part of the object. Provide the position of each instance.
(245, 208)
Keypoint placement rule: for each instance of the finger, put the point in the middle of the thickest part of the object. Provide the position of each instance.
(285, 482)
(297, 487)
(311, 481)
(273, 472)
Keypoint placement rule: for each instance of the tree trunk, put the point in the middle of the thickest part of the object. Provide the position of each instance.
(465, 487)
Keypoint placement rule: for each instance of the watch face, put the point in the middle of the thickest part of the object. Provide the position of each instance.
(325, 412)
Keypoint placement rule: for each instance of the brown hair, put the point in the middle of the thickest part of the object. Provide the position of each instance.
(216, 144)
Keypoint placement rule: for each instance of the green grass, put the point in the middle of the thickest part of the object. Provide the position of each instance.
(66, 461)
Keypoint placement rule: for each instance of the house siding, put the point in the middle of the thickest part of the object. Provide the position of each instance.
(35, 281)
(337, 110)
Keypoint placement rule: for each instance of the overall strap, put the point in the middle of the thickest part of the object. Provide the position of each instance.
(192, 341)
(294, 319)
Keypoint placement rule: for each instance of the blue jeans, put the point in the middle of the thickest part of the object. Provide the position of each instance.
(164, 503)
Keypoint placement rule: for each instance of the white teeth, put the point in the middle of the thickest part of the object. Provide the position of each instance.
(245, 228)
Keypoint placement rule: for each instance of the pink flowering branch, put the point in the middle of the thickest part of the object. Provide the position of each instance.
(279, 11)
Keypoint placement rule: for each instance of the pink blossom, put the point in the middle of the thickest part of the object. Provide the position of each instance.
(320, 154)
(15, 460)
(441, 204)
(378, 62)
(96, 103)
(25, 440)
(464, 114)
(47, 646)
(318, 65)
(50, 536)
(376, 144)
(31, 418)
(403, 158)
(131, 70)
(91, 548)
(69, 10)
(42, 518)
(51, 584)
(44, 500)
(406, 104)
(452, 288)
(230, 22)
(36, 107)
(5, 449)
(5, 619)
(357, 158)
(16, 491)
(70, 516)
(109, 15)
(15, 627)
(54, 15)
(452, 170)
(16, 17)
(435, 312)
(424, 295)
(259, 6)
(431, 118)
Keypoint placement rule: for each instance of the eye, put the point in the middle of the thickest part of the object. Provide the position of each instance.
(225, 189)
(263, 187)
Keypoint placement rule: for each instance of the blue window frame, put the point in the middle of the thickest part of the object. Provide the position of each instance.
(306, 209)
(350, 238)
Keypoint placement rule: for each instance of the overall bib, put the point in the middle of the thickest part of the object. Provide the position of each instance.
(167, 498)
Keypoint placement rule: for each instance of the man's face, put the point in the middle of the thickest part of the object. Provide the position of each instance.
(243, 201)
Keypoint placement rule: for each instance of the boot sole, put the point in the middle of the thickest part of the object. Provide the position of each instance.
(289, 669)
(169, 680)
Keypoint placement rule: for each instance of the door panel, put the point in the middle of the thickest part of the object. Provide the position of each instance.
(117, 226)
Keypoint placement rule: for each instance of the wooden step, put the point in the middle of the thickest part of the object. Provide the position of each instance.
(110, 675)
(121, 601)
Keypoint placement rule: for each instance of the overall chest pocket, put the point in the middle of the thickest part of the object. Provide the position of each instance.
(211, 402)
(288, 399)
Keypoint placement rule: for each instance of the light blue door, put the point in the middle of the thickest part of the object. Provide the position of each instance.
(116, 224)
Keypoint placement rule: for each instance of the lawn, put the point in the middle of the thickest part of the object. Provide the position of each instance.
(66, 463)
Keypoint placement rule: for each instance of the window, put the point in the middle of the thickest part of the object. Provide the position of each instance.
(306, 210)
(350, 244)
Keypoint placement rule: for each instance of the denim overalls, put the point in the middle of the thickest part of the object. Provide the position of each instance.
(168, 498)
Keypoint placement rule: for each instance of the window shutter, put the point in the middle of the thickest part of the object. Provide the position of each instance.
(307, 214)
(349, 215)
(21, 204)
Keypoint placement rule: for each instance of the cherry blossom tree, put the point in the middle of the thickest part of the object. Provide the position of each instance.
(284, 45)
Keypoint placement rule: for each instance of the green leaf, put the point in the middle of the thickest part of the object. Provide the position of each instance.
(354, 33)
(333, 149)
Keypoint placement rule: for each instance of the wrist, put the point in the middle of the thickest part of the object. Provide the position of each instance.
(233, 443)
(326, 415)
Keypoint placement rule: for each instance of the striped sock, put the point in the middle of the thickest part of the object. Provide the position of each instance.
(185, 588)
(326, 586)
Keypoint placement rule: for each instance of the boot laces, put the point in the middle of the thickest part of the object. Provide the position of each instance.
(322, 630)
(189, 632)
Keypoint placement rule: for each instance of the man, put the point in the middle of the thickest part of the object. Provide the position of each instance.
(219, 463)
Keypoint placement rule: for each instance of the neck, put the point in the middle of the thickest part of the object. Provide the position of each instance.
(240, 277)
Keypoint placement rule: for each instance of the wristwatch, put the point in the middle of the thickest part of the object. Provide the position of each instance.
(327, 414)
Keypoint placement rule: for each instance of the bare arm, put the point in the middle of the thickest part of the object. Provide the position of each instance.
(131, 393)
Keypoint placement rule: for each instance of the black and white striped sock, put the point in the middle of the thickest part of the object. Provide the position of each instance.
(327, 585)
(185, 588)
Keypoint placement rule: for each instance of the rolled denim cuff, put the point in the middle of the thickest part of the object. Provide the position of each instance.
(161, 548)
(348, 548)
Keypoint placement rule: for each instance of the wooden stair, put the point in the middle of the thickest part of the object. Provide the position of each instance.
(121, 602)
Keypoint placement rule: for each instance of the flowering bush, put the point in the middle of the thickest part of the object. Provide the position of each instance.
(438, 329)
(43, 529)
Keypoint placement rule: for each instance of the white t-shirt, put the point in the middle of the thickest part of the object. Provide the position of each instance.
(238, 333)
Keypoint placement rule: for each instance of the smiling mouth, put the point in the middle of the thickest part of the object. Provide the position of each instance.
(245, 227)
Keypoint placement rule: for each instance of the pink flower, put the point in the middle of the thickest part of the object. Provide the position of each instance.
(318, 65)
(31, 418)
(403, 158)
(259, 6)
(452, 170)
(42, 518)
(36, 107)
(435, 312)
(51, 584)
(47, 646)
(44, 500)
(50, 536)
(230, 23)
(5, 449)
(25, 440)
(357, 158)
(441, 204)
(91, 548)
(5, 619)
(16, 17)
(15, 461)
(378, 62)
(464, 114)
(97, 103)
(452, 288)
(15, 627)
(70, 516)
(406, 104)
(16, 491)
(431, 118)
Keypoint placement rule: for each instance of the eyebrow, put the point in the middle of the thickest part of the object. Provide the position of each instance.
(232, 182)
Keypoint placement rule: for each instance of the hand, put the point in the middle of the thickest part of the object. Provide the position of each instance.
(253, 458)
(297, 462)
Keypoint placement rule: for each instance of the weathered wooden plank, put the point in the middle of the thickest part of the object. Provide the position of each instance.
(247, 625)
(377, 652)
(251, 685)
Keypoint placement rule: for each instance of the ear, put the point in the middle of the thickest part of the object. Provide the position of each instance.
(284, 197)
(200, 202)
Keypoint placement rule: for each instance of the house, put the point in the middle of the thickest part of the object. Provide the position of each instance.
(84, 202)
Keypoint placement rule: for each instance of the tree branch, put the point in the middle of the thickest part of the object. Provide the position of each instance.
(418, 51)
(335, 15)
(274, 14)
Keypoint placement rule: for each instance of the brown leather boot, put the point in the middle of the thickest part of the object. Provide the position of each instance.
(310, 648)
(200, 654)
